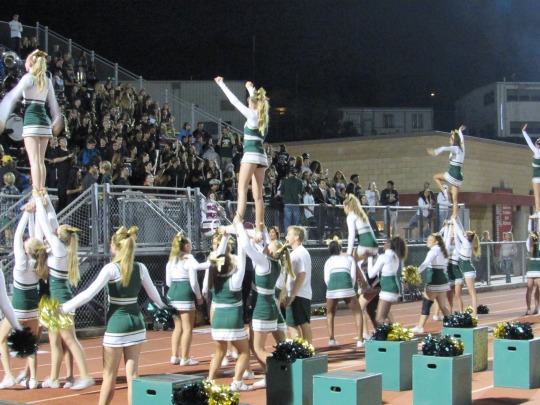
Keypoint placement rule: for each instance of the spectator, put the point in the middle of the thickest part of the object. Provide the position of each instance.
(8, 165)
(90, 178)
(63, 160)
(281, 161)
(291, 191)
(355, 179)
(123, 175)
(74, 185)
(88, 154)
(305, 164)
(105, 169)
(224, 146)
(6, 204)
(200, 131)
(309, 207)
(373, 198)
(16, 29)
(339, 182)
(390, 198)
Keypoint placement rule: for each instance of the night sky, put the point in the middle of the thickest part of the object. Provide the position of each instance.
(357, 53)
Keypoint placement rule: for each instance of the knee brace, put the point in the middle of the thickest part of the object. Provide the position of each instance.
(426, 306)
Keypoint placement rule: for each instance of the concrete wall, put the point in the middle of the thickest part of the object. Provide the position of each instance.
(404, 160)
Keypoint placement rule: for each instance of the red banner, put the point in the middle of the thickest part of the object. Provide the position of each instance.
(503, 215)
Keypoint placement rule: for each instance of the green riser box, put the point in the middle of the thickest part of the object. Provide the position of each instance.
(475, 341)
(393, 360)
(292, 383)
(158, 389)
(347, 388)
(442, 380)
(516, 363)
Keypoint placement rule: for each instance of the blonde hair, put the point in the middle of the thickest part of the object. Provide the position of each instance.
(263, 107)
(124, 243)
(106, 166)
(284, 256)
(298, 231)
(354, 205)
(178, 244)
(38, 252)
(475, 242)
(69, 236)
(38, 67)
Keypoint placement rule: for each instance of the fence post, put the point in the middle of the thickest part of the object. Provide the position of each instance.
(94, 218)
(107, 213)
(488, 264)
(46, 40)
(387, 221)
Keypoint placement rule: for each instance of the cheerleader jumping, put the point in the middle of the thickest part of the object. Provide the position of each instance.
(453, 175)
(254, 160)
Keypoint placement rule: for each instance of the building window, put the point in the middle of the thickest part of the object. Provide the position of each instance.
(489, 98)
(388, 120)
(512, 95)
(417, 121)
(523, 95)
(533, 128)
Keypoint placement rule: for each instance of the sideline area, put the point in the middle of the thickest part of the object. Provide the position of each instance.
(504, 304)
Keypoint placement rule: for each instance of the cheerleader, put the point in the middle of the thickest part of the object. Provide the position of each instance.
(437, 281)
(184, 290)
(254, 160)
(387, 267)
(225, 277)
(125, 331)
(358, 227)
(30, 265)
(533, 271)
(340, 277)
(470, 245)
(36, 88)
(63, 275)
(273, 261)
(453, 175)
(536, 170)
(455, 276)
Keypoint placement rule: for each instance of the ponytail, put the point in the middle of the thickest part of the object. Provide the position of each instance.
(475, 242)
(38, 62)
(124, 242)
(69, 235)
(38, 252)
(263, 107)
(283, 255)
(441, 244)
(399, 246)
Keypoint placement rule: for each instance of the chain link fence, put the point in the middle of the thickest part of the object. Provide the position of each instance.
(160, 213)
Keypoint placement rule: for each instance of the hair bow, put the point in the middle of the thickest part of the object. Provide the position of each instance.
(334, 239)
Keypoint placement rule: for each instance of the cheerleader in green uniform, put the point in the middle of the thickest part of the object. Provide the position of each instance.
(125, 331)
(533, 270)
(225, 277)
(437, 286)
(254, 160)
(36, 88)
(340, 278)
(63, 275)
(535, 148)
(453, 175)
(386, 268)
(470, 245)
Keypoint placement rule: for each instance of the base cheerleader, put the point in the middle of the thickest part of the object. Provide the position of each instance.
(535, 148)
(533, 270)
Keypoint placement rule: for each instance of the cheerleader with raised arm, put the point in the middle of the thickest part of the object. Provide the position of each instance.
(184, 292)
(63, 275)
(359, 229)
(437, 286)
(453, 175)
(533, 270)
(386, 268)
(455, 276)
(36, 88)
(535, 148)
(30, 265)
(225, 277)
(470, 245)
(340, 278)
(254, 160)
(125, 331)
(268, 264)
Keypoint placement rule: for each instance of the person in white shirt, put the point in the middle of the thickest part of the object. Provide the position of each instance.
(16, 29)
(299, 299)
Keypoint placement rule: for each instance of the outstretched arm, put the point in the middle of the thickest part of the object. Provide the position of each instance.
(5, 304)
(54, 108)
(429, 258)
(246, 111)
(352, 234)
(58, 248)
(149, 286)
(18, 244)
(85, 296)
(10, 100)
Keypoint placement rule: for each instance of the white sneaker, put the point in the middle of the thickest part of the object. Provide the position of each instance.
(240, 386)
(361, 343)
(33, 383)
(528, 312)
(248, 375)
(437, 318)
(333, 343)
(48, 383)
(82, 383)
(225, 362)
(417, 329)
(234, 355)
(175, 360)
(69, 382)
(20, 377)
(366, 336)
(188, 362)
(7, 382)
(260, 384)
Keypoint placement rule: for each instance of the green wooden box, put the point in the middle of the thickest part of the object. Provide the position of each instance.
(292, 383)
(516, 364)
(442, 380)
(475, 342)
(347, 388)
(159, 388)
(393, 360)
